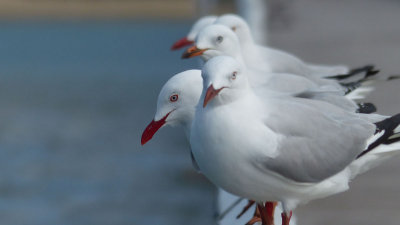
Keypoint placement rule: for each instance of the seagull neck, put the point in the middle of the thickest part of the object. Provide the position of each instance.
(249, 49)
(246, 39)
(187, 122)
(186, 128)
(239, 58)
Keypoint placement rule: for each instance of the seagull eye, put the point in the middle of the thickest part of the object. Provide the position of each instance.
(220, 39)
(233, 76)
(233, 28)
(173, 98)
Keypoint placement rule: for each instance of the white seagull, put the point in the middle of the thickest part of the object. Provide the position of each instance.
(191, 36)
(286, 149)
(270, 59)
(278, 60)
(176, 106)
(216, 40)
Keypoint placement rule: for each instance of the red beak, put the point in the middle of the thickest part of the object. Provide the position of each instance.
(192, 52)
(181, 43)
(210, 94)
(152, 128)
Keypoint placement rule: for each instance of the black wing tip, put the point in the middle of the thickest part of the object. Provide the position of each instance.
(393, 77)
(392, 139)
(351, 86)
(366, 108)
(390, 123)
(368, 69)
(372, 73)
(387, 126)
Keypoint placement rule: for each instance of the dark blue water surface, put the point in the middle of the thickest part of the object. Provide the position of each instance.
(94, 48)
(75, 97)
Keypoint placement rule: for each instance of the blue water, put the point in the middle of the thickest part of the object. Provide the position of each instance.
(67, 48)
(75, 97)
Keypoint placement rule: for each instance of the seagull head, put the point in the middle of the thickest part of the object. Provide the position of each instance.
(223, 80)
(191, 36)
(214, 40)
(237, 24)
(176, 102)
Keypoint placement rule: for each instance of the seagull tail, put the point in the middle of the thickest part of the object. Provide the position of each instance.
(384, 145)
(360, 89)
(358, 93)
(357, 84)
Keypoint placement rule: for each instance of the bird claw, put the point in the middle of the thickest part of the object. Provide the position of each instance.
(263, 214)
(253, 220)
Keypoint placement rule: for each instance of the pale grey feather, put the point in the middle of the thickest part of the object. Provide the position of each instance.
(301, 87)
(284, 83)
(319, 139)
(333, 97)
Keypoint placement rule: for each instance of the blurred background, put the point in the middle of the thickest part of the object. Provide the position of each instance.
(79, 81)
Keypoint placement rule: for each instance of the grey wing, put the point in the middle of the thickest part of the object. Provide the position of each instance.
(325, 70)
(318, 140)
(283, 62)
(304, 88)
(289, 83)
(334, 97)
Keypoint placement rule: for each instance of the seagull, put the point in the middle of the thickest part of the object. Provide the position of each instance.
(286, 149)
(216, 40)
(280, 61)
(191, 36)
(275, 60)
(270, 59)
(176, 106)
(176, 103)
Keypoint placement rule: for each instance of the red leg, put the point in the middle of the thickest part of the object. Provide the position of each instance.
(270, 209)
(267, 213)
(286, 218)
(249, 204)
(264, 215)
